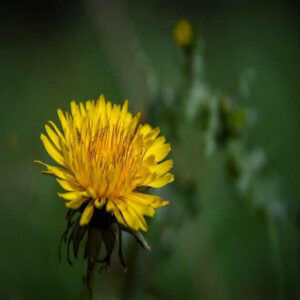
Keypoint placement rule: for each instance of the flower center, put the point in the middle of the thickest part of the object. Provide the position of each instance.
(110, 160)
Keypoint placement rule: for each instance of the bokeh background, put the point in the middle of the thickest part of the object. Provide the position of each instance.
(212, 241)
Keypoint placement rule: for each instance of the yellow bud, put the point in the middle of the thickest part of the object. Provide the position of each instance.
(183, 33)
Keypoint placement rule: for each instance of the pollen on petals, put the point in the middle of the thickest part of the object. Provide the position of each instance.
(104, 155)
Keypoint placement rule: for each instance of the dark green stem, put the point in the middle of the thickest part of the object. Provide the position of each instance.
(276, 253)
(93, 248)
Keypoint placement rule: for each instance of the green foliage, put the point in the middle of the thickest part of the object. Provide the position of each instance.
(229, 106)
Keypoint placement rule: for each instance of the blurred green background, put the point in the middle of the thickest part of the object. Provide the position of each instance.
(52, 53)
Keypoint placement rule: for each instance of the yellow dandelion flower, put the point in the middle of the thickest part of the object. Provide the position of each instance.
(106, 157)
(183, 33)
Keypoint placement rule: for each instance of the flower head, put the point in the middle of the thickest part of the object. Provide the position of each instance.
(106, 158)
(183, 33)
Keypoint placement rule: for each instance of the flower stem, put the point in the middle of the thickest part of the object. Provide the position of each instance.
(275, 249)
(93, 248)
(87, 281)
